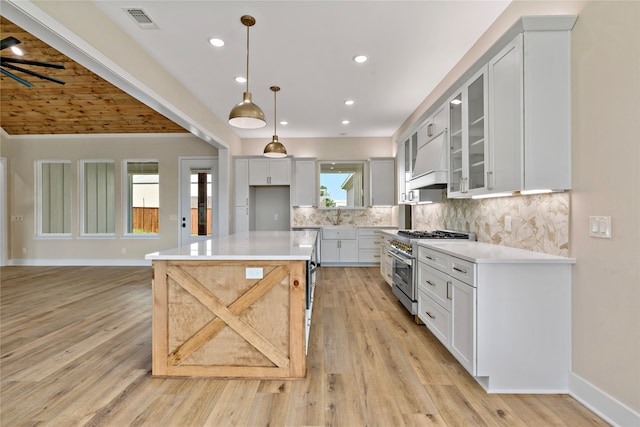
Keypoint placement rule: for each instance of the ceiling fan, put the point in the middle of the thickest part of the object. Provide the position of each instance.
(6, 62)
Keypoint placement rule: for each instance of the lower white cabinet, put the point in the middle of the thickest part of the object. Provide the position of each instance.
(339, 245)
(506, 316)
(386, 260)
(241, 219)
(369, 246)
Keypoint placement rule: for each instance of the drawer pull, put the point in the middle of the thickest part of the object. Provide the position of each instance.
(430, 258)
(430, 282)
(430, 315)
(448, 285)
(460, 270)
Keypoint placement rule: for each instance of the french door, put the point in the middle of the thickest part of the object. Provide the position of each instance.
(198, 199)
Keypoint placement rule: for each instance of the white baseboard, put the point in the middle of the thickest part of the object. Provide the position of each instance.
(605, 406)
(82, 262)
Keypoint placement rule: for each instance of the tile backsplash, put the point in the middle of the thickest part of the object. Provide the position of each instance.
(372, 217)
(538, 222)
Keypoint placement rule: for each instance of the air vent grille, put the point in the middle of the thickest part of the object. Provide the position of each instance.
(141, 17)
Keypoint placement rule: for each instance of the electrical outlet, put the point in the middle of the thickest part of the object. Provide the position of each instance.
(600, 226)
(253, 273)
(507, 223)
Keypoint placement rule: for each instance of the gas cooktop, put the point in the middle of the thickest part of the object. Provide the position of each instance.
(437, 234)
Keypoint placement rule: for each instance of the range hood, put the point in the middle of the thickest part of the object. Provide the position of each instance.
(430, 168)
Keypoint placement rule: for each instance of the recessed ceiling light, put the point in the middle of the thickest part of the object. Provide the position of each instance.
(17, 50)
(349, 102)
(284, 122)
(216, 42)
(360, 59)
(345, 122)
(241, 79)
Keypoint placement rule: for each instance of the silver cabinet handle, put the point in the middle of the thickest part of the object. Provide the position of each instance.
(489, 179)
(460, 270)
(430, 258)
(448, 285)
(430, 129)
(430, 315)
(430, 282)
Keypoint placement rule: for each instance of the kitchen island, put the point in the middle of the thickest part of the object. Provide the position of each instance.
(232, 306)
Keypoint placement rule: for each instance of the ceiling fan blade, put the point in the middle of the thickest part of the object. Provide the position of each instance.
(8, 42)
(33, 73)
(14, 77)
(36, 63)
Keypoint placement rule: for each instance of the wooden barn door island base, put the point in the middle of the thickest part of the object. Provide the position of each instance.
(211, 320)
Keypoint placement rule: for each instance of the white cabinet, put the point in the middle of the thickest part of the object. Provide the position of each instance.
(265, 171)
(530, 111)
(241, 184)
(468, 139)
(386, 260)
(499, 314)
(401, 177)
(382, 186)
(305, 178)
(369, 241)
(339, 245)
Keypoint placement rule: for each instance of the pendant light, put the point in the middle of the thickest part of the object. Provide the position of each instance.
(275, 147)
(247, 115)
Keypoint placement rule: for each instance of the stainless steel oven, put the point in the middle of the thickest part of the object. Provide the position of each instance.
(403, 280)
(403, 250)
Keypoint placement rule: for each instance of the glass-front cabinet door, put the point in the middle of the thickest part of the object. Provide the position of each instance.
(467, 138)
(455, 146)
(477, 131)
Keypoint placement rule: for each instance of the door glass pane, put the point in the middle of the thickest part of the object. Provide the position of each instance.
(455, 122)
(143, 197)
(201, 200)
(476, 133)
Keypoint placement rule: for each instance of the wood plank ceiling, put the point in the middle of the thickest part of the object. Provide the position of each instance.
(86, 104)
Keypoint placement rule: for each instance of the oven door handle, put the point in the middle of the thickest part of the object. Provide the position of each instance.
(407, 261)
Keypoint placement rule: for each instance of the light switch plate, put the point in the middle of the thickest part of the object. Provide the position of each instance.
(253, 273)
(600, 226)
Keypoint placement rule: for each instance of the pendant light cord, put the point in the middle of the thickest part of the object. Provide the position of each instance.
(275, 113)
(247, 59)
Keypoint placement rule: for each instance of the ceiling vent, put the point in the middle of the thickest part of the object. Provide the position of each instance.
(141, 17)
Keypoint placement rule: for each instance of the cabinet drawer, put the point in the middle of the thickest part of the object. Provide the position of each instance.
(433, 258)
(463, 270)
(434, 317)
(369, 255)
(340, 233)
(368, 242)
(435, 284)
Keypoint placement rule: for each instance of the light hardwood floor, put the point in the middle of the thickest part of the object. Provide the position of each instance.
(76, 350)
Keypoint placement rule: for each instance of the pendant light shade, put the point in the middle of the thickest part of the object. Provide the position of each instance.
(275, 147)
(246, 114)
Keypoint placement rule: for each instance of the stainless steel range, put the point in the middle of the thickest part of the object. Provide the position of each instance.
(403, 250)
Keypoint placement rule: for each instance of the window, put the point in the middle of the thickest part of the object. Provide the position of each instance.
(53, 178)
(142, 193)
(341, 184)
(97, 183)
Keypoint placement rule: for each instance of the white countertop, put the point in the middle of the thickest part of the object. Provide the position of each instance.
(253, 245)
(489, 253)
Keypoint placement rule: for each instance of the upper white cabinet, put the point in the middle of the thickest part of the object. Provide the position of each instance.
(530, 111)
(265, 171)
(382, 185)
(400, 174)
(468, 142)
(305, 179)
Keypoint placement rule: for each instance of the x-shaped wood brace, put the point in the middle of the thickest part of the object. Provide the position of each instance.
(228, 316)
